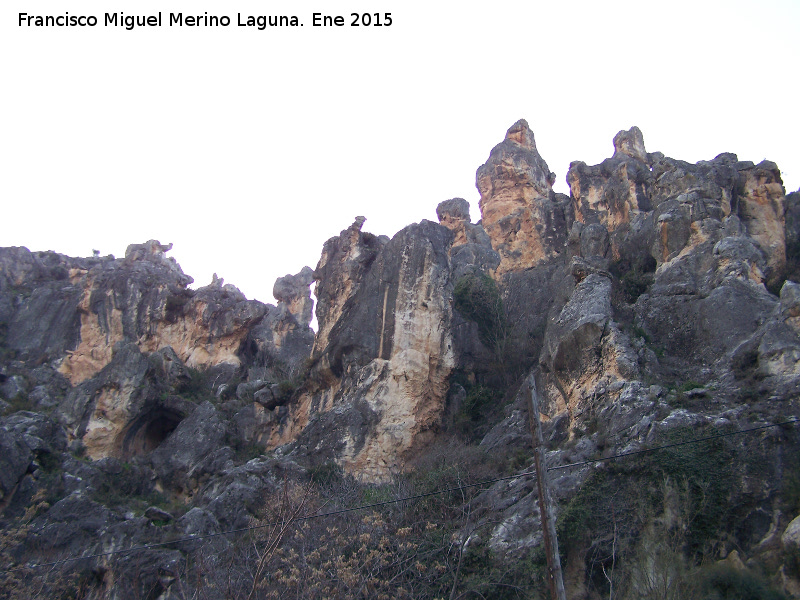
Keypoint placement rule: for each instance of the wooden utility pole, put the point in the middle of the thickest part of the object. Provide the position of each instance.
(554, 579)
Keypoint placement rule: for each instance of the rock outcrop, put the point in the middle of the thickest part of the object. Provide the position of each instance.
(383, 354)
(118, 343)
(617, 190)
(146, 299)
(655, 304)
(525, 220)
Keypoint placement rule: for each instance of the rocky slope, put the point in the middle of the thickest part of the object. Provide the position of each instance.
(654, 303)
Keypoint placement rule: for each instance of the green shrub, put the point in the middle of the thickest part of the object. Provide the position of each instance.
(690, 385)
(521, 459)
(616, 505)
(50, 462)
(375, 494)
(125, 488)
(749, 394)
(634, 276)
(790, 484)
(478, 398)
(245, 452)
(478, 300)
(589, 512)
(706, 474)
(326, 473)
(287, 387)
(492, 576)
(197, 388)
(18, 403)
(640, 332)
(471, 419)
(52, 484)
(723, 582)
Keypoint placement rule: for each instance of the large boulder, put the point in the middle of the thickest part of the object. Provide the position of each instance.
(39, 432)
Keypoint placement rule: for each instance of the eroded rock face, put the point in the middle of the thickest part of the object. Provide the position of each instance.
(146, 299)
(383, 355)
(38, 303)
(126, 409)
(75, 310)
(15, 457)
(116, 340)
(613, 192)
(340, 270)
(454, 214)
(292, 291)
(180, 458)
(471, 250)
(525, 220)
(762, 208)
(584, 346)
(277, 348)
(669, 263)
(673, 206)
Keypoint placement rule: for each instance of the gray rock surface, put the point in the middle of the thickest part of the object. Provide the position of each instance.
(193, 439)
(659, 300)
(38, 432)
(791, 536)
(574, 338)
(15, 457)
(456, 209)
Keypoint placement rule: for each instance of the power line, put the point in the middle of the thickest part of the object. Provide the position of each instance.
(398, 500)
(694, 441)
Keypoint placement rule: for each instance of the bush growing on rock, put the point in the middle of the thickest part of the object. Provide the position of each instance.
(478, 299)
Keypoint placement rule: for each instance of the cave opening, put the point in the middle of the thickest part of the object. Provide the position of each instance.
(149, 431)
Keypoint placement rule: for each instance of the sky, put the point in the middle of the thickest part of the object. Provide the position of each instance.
(248, 148)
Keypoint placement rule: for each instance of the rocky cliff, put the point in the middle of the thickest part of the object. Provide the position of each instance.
(106, 343)
(655, 303)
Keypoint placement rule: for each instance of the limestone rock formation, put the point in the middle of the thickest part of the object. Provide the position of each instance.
(471, 249)
(341, 267)
(116, 341)
(658, 303)
(613, 192)
(523, 217)
(126, 409)
(668, 264)
(142, 298)
(454, 214)
(383, 354)
(292, 291)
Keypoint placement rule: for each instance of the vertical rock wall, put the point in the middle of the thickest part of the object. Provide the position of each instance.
(525, 220)
(383, 355)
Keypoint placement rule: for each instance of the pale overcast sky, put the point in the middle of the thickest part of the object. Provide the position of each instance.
(247, 149)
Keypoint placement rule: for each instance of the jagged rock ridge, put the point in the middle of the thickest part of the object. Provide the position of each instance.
(657, 297)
